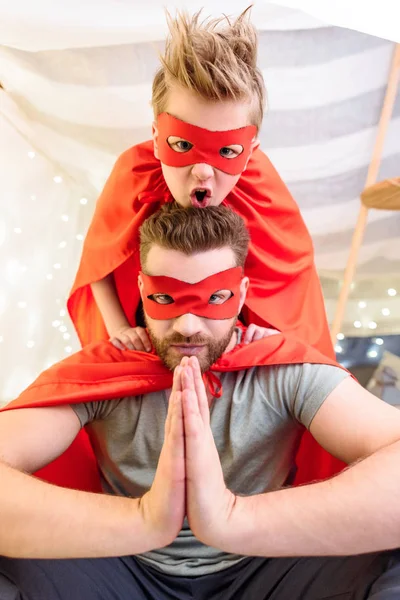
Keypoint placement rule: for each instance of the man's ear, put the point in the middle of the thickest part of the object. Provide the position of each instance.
(154, 135)
(244, 286)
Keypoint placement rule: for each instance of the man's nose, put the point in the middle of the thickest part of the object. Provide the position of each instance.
(188, 325)
(202, 171)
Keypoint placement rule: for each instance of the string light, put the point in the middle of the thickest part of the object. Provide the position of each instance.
(83, 201)
(379, 341)
(68, 349)
(385, 312)
(357, 324)
(79, 237)
(65, 218)
(56, 323)
(372, 353)
(57, 179)
(392, 292)
(31, 154)
(63, 312)
(22, 304)
(362, 304)
(340, 336)
(66, 336)
(33, 197)
(49, 276)
(57, 266)
(372, 325)
(17, 230)
(63, 329)
(30, 344)
(62, 245)
(338, 349)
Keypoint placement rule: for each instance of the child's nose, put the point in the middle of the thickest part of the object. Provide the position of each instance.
(202, 171)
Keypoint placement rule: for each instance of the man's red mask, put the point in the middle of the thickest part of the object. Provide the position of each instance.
(195, 298)
(204, 146)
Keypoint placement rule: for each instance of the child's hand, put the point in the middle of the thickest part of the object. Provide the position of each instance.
(131, 338)
(254, 333)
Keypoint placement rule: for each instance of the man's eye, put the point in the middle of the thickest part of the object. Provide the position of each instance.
(178, 144)
(161, 298)
(231, 151)
(220, 297)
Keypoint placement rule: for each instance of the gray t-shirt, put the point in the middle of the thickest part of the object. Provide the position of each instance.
(257, 426)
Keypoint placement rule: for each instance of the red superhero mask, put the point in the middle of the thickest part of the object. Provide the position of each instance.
(183, 298)
(203, 146)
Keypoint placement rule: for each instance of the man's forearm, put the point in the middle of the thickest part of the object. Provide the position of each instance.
(39, 520)
(357, 511)
(106, 297)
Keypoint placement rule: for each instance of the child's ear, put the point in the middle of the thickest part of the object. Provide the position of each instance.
(154, 134)
(255, 144)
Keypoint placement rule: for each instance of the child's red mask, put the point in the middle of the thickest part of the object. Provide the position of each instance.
(206, 146)
(192, 298)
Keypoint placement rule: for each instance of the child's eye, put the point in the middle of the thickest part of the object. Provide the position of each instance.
(220, 297)
(161, 298)
(231, 151)
(178, 144)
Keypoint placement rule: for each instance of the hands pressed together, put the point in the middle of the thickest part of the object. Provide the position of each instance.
(189, 479)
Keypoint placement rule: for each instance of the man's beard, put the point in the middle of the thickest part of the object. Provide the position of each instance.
(212, 350)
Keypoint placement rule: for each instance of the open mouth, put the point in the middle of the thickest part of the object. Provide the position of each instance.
(200, 197)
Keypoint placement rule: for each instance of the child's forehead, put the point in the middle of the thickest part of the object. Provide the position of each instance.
(214, 115)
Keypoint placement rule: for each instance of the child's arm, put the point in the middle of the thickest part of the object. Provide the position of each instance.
(122, 335)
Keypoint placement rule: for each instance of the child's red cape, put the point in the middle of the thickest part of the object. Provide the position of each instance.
(285, 292)
(102, 372)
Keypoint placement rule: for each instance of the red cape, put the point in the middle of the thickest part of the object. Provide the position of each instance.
(102, 372)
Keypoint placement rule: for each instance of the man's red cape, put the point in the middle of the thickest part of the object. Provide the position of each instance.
(102, 372)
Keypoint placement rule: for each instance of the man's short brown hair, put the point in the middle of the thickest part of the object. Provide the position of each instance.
(193, 230)
(216, 59)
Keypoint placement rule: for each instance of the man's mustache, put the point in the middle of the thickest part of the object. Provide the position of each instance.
(177, 339)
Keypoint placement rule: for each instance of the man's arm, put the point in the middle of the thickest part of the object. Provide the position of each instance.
(40, 520)
(355, 512)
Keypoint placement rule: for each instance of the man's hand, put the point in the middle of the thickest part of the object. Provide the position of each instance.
(209, 502)
(163, 506)
(131, 338)
(255, 332)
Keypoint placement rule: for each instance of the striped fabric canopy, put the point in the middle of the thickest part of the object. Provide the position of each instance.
(76, 88)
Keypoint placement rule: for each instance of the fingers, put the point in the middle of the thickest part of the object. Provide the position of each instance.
(115, 342)
(175, 435)
(143, 338)
(200, 389)
(255, 333)
(248, 336)
(176, 387)
(131, 338)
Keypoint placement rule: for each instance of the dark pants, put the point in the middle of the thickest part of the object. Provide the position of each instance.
(372, 576)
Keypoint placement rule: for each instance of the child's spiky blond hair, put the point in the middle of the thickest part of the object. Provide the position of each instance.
(216, 59)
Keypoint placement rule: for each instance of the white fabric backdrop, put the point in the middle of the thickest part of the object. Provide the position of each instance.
(77, 82)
